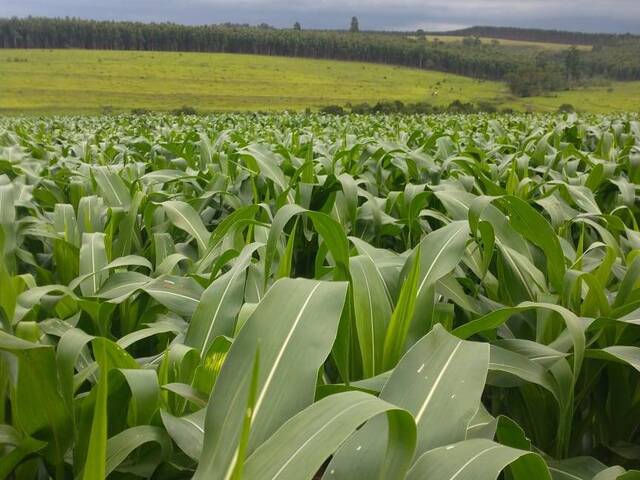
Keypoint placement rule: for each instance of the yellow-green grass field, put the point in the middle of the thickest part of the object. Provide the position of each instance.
(503, 41)
(615, 97)
(85, 80)
(89, 81)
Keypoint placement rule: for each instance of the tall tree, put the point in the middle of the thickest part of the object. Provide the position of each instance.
(572, 63)
(355, 27)
(297, 26)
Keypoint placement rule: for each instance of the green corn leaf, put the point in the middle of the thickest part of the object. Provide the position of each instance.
(183, 216)
(112, 187)
(372, 312)
(93, 260)
(301, 445)
(305, 309)
(95, 464)
(439, 377)
(220, 304)
(474, 459)
(36, 380)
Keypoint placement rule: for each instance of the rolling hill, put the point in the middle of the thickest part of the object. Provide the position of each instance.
(93, 81)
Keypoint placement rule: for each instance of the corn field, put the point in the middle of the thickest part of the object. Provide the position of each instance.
(300, 297)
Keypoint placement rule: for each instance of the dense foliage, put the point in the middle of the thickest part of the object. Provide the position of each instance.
(617, 57)
(296, 296)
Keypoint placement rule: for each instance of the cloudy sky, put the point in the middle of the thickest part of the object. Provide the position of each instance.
(583, 15)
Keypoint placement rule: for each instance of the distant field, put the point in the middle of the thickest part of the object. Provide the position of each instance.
(89, 81)
(616, 97)
(517, 43)
(84, 81)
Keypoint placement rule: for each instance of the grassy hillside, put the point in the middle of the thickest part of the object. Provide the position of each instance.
(613, 97)
(89, 81)
(508, 42)
(536, 35)
(85, 80)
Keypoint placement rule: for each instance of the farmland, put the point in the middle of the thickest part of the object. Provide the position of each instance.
(90, 81)
(85, 81)
(503, 41)
(291, 296)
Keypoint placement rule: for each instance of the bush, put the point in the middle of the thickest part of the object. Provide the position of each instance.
(424, 108)
(184, 110)
(140, 111)
(566, 108)
(471, 41)
(361, 108)
(333, 110)
(389, 107)
(487, 107)
(395, 107)
(461, 107)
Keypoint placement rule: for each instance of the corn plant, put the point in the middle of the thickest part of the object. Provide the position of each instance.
(309, 296)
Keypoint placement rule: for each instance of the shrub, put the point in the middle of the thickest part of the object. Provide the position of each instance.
(184, 110)
(389, 107)
(333, 110)
(566, 108)
(461, 107)
(487, 107)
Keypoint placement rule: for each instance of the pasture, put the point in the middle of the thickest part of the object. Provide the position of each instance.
(90, 82)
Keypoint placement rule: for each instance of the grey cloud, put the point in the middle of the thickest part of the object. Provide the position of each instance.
(585, 15)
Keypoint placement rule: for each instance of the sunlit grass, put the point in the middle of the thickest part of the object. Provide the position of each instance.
(88, 81)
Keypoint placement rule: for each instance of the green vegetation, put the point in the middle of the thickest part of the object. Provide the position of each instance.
(538, 36)
(610, 97)
(506, 42)
(62, 81)
(612, 57)
(296, 297)
(86, 81)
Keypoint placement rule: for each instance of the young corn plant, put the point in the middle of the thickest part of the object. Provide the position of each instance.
(314, 297)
